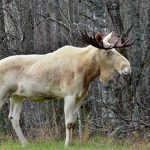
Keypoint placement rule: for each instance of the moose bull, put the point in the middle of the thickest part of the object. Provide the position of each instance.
(65, 73)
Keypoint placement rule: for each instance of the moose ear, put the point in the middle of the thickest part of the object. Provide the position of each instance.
(108, 37)
(98, 37)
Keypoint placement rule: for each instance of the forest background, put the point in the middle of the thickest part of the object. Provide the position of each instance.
(122, 108)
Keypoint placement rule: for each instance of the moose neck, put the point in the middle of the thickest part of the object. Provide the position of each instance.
(91, 65)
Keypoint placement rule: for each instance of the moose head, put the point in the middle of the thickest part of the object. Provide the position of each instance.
(110, 59)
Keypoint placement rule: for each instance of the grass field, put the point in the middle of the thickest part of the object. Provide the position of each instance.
(92, 144)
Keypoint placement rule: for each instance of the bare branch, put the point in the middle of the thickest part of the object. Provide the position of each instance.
(54, 20)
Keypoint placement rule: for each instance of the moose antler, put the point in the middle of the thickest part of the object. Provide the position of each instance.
(97, 41)
(119, 44)
(91, 40)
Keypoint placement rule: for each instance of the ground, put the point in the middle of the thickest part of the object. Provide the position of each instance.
(91, 144)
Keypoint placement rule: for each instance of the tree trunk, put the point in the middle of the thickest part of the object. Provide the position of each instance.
(3, 37)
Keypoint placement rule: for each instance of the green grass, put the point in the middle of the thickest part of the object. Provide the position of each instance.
(92, 144)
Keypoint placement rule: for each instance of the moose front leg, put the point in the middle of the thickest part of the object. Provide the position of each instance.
(70, 110)
(14, 116)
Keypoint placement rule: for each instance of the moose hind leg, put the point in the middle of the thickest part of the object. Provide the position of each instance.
(70, 110)
(14, 116)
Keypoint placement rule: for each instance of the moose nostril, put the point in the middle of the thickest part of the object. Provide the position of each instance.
(125, 70)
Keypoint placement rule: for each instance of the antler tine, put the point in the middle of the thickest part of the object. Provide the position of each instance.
(117, 42)
(131, 42)
(94, 35)
(125, 44)
(85, 36)
(88, 37)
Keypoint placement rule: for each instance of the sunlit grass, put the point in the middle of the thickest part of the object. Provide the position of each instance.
(92, 144)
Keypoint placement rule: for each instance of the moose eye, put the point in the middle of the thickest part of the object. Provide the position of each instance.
(108, 53)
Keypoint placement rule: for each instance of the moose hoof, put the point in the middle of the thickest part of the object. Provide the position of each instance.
(25, 144)
(68, 144)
